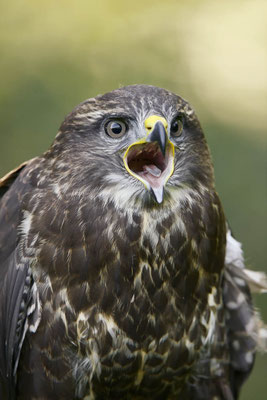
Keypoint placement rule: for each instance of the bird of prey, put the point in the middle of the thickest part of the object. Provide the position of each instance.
(120, 277)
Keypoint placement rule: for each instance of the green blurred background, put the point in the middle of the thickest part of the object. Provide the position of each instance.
(54, 54)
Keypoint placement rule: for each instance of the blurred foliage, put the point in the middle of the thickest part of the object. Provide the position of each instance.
(56, 54)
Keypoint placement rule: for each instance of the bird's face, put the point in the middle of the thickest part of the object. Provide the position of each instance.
(139, 142)
(149, 159)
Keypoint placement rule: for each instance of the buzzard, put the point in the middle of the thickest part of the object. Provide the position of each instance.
(120, 278)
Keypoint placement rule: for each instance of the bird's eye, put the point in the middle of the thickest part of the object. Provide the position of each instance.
(115, 129)
(176, 127)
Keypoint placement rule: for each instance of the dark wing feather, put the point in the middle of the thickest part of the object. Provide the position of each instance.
(242, 322)
(12, 315)
(18, 294)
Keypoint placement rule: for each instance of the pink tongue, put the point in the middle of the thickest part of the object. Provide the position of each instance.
(153, 170)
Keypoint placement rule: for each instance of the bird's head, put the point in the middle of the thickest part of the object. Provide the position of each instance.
(138, 143)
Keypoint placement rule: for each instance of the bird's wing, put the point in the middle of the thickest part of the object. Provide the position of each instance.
(245, 332)
(7, 180)
(18, 294)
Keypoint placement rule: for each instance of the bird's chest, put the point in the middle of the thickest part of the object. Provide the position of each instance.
(137, 303)
(152, 310)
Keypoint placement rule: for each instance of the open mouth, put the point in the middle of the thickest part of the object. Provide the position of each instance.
(147, 163)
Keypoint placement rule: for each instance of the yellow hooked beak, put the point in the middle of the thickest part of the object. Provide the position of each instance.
(151, 159)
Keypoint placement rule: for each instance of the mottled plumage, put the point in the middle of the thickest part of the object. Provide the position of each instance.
(121, 279)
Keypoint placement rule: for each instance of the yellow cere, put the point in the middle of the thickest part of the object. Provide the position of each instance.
(152, 120)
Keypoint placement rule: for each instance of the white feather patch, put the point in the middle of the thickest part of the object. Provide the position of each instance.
(25, 225)
(234, 253)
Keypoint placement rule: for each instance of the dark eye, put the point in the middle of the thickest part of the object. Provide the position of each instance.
(115, 129)
(176, 127)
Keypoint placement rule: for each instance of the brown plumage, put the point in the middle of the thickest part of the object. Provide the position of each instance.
(121, 279)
